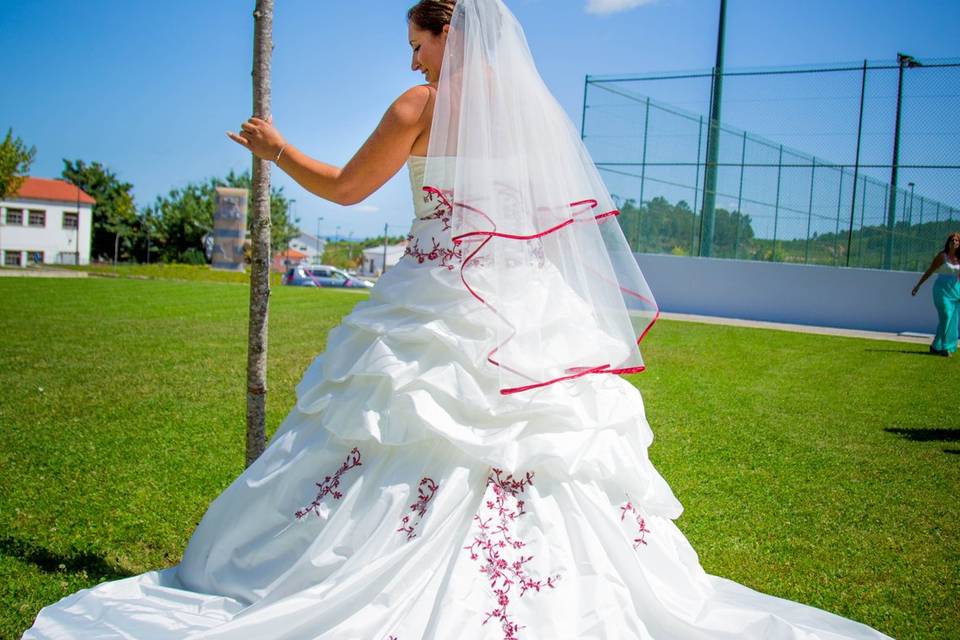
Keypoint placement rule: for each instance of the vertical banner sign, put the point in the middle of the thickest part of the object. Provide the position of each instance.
(230, 229)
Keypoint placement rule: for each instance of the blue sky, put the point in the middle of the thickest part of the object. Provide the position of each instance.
(148, 88)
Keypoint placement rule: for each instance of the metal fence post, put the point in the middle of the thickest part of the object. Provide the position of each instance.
(863, 206)
(806, 250)
(643, 170)
(696, 195)
(776, 208)
(856, 162)
(920, 229)
(739, 221)
(905, 236)
(909, 236)
(583, 117)
(887, 246)
(836, 233)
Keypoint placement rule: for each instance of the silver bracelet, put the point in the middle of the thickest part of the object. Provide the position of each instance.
(279, 153)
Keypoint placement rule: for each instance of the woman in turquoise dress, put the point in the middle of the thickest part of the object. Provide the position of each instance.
(946, 295)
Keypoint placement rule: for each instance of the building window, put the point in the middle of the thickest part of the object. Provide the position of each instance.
(70, 220)
(35, 257)
(38, 218)
(65, 257)
(11, 258)
(15, 216)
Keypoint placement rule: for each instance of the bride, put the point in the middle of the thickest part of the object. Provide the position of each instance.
(459, 462)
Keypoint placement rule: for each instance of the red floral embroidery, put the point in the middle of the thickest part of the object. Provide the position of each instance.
(437, 252)
(442, 210)
(499, 550)
(642, 530)
(426, 491)
(446, 255)
(330, 484)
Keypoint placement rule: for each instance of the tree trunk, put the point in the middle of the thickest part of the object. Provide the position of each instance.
(260, 240)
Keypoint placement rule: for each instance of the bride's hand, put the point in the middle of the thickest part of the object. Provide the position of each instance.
(260, 137)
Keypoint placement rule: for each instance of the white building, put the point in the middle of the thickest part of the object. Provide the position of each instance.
(46, 222)
(373, 258)
(310, 245)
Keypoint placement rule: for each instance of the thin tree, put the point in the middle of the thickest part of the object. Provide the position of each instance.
(15, 161)
(260, 239)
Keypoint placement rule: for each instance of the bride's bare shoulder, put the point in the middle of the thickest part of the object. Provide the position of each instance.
(413, 110)
(416, 99)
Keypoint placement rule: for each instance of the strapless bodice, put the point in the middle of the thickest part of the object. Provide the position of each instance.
(416, 166)
(429, 241)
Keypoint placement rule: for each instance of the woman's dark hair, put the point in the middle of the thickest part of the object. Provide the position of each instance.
(946, 245)
(431, 15)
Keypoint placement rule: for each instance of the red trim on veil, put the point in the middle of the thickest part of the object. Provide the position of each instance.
(574, 372)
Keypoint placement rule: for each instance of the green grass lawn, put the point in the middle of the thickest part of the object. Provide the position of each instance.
(820, 469)
(162, 271)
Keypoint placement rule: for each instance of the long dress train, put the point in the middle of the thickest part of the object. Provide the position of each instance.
(404, 498)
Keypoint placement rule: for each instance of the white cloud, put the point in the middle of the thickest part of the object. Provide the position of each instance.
(613, 6)
(366, 208)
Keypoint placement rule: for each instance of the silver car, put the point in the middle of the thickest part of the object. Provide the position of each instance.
(322, 276)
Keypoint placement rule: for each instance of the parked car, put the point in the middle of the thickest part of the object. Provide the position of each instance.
(322, 276)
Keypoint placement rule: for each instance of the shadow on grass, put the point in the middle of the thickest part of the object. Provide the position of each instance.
(927, 435)
(96, 567)
(906, 351)
(951, 450)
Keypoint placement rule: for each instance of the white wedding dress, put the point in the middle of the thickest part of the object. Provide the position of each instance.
(404, 498)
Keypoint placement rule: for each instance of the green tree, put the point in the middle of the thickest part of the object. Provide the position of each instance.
(115, 223)
(283, 227)
(733, 232)
(179, 220)
(339, 254)
(15, 161)
(661, 227)
(348, 254)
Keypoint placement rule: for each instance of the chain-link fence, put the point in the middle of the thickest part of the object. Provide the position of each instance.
(809, 174)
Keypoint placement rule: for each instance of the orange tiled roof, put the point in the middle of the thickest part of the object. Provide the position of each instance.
(58, 190)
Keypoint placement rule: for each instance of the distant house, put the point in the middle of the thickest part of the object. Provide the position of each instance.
(373, 259)
(309, 245)
(46, 222)
(290, 257)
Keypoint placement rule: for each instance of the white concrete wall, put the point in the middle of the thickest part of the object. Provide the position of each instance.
(308, 245)
(865, 299)
(52, 239)
(394, 254)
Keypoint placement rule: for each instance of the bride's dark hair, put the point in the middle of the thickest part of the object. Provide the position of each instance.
(431, 15)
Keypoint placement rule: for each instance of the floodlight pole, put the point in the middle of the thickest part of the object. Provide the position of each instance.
(903, 61)
(713, 143)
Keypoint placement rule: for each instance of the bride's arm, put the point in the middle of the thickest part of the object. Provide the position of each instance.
(380, 157)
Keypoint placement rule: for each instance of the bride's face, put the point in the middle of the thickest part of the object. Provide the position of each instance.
(427, 51)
